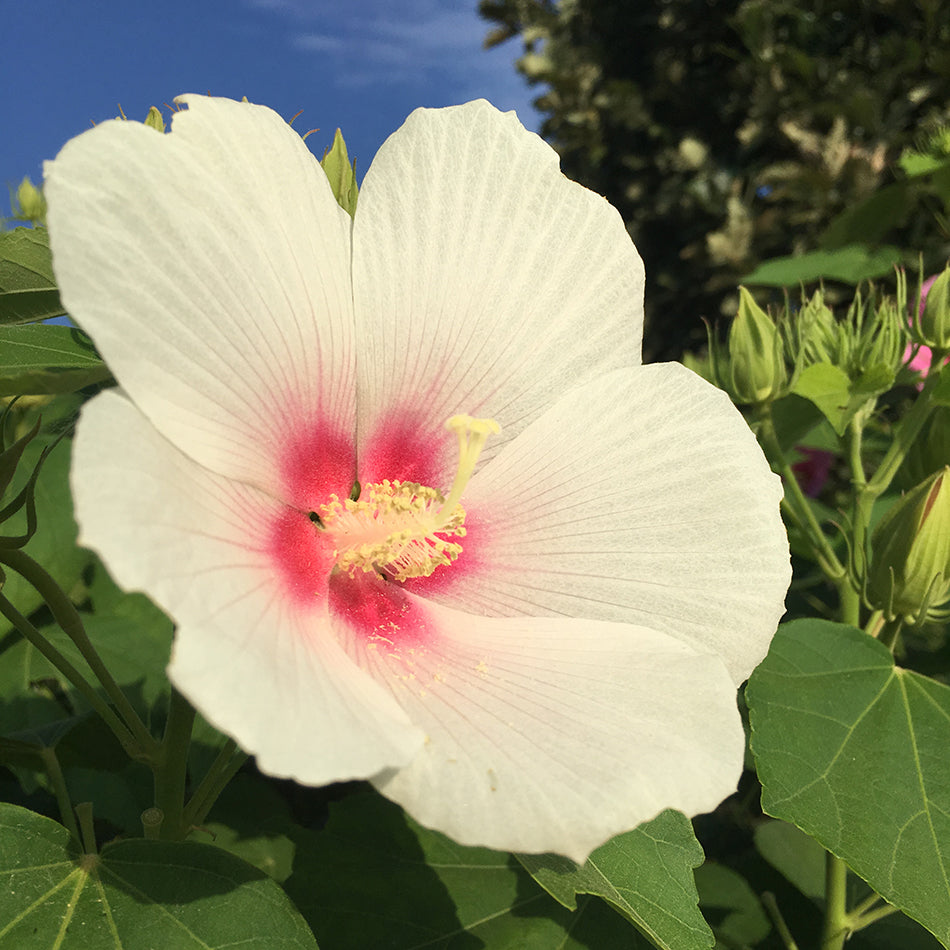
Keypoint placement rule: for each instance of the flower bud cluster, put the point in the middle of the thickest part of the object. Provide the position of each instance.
(765, 355)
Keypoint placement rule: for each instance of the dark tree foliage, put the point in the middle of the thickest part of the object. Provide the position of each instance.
(728, 132)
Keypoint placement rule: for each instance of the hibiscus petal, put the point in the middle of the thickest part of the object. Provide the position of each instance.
(211, 267)
(259, 663)
(485, 282)
(642, 497)
(553, 734)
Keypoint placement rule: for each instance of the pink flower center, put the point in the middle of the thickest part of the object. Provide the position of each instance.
(403, 529)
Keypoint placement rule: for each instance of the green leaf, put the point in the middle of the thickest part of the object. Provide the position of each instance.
(853, 750)
(134, 895)
(341, 173)
(27, 286)
(647, 874)
(829, 388)
(727, 900)
(374, 878)
(850, 264)
(47, 359)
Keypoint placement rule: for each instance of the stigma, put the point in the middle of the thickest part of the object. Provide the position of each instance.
(403, 529)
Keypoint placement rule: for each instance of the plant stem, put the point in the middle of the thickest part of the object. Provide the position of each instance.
(795, 502)
(771, 905)
(171, 774)
(58, 781)
(223, 769)
(859, 922)
(86, 827)
(41, 644)
(66, 615)
(837, 922)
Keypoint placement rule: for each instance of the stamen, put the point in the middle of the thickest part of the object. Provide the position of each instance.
(402, 528)
(472, 435)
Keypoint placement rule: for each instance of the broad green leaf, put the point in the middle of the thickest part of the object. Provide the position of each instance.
(47, 359)
(838, 396)
(134, 895)
(28, 291)
(853, 750)
(730, 904)
(374, 878)
(828, 388)
(341, 173)
(850, 264)
(54, 544)
(647, 874)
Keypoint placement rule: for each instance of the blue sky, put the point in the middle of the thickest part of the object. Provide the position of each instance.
(362, 65)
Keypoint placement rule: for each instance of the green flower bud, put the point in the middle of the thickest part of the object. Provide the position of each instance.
(910, 564)
(154, 120)
(342, 174)
(30, 203)
(757, 371)
(933, 325)
(819, 332)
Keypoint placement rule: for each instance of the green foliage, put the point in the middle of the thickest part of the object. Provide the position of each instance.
(28, 290)
(47, 359)
(426, 891)
(646, 874)
(134, 894)
(852, 749)
(731, 132)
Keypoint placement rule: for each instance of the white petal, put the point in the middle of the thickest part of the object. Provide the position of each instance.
(485, 283)
(642, 498)
(211, 267)
(259, 662)
(552, 734)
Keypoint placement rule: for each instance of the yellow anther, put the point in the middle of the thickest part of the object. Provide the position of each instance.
(472, 435)
(402, 528)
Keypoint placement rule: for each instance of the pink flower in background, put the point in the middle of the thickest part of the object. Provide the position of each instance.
(920, 360)
(812, 469)
(527, 630)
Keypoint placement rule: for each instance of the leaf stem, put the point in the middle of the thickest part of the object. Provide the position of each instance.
(837, 922)
(171, 773)
(860, 921)
(223, 769)
(771, 905)
(795, 503)
(58, 782)
(66, 615)
(41, 644)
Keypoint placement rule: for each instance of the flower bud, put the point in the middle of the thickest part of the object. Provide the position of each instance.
(154, 120)
(819, 332)
(31, 205)
(910, 564)
(933, 324)
(342, 173)
(757, 371)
